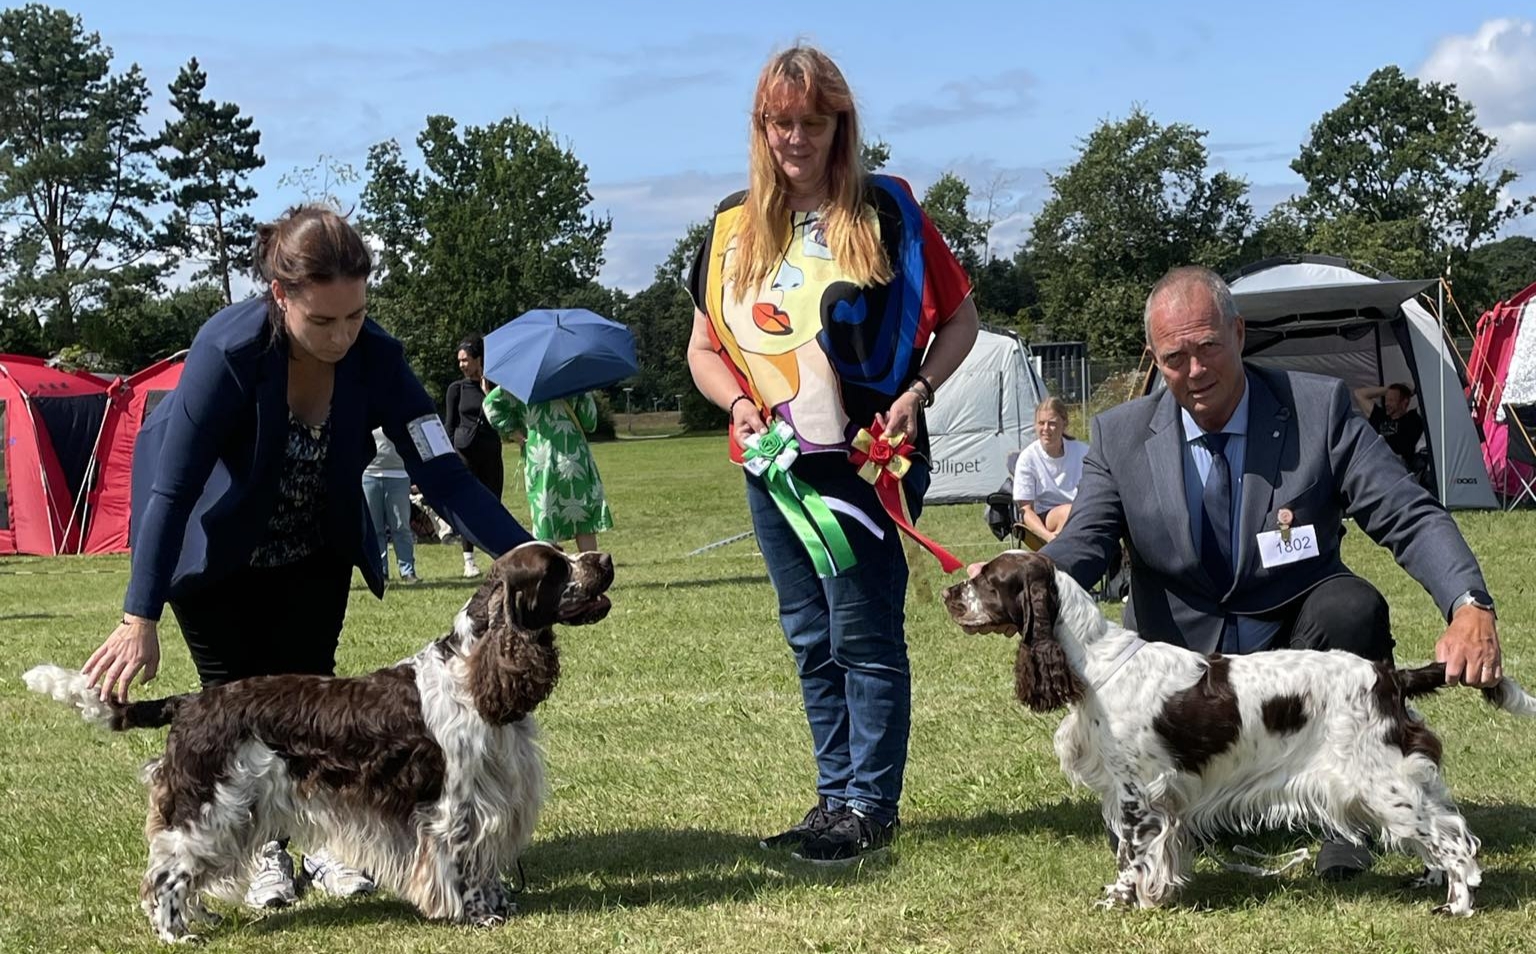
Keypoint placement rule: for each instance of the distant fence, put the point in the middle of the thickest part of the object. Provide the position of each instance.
(1092, 384)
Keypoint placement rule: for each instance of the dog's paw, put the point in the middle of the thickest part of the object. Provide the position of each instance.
(1117, 895)
(1450, 910)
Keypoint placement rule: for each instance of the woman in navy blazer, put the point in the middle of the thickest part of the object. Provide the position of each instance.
(248, 513)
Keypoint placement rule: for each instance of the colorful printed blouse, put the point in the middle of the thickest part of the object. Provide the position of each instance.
(812, 347)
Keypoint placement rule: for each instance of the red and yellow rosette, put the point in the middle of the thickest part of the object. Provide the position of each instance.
(882, 460)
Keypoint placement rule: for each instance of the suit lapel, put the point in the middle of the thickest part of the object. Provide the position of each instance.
(1165, 459)
(1269, 428)
(271, 409)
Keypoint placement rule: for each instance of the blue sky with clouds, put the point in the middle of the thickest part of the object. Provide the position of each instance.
(654, 96)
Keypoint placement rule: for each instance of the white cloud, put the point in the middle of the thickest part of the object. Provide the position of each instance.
(650, 215)
(1495, 70)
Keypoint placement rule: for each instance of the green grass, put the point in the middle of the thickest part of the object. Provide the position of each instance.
(676, 738)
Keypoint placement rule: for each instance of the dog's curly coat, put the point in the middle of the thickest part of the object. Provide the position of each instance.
(427, 774)
(1179, 745)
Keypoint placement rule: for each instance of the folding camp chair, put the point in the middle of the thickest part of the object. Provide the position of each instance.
(1003, 517)
(1520, 425)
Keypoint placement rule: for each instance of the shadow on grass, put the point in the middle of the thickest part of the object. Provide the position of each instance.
(1076, 818)
(586, 871)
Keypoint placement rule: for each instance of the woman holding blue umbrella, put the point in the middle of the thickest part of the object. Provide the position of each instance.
(565, 492)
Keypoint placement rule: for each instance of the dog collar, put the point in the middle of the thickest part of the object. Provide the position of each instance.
(1131, 649)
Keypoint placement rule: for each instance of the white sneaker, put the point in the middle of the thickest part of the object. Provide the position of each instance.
(470, 570)
(336, 879)
(272, 881)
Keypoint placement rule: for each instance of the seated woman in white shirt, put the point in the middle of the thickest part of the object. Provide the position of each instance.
(1046, 475)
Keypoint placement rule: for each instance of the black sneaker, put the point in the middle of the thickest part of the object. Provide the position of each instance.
(816, 821)
(1342, 861)
(851, 837)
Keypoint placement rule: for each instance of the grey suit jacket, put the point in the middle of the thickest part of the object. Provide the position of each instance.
(1308, 450)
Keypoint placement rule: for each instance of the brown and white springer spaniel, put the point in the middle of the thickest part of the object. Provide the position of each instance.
(1181, 746)
(427, 774)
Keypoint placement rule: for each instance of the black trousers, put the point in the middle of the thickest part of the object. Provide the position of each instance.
(268, 621)
(484, 461)
(1344, 613)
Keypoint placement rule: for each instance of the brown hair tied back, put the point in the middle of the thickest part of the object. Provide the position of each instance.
(309, 245)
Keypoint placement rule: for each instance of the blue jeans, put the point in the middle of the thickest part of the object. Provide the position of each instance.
(389, 503)
(848, 637)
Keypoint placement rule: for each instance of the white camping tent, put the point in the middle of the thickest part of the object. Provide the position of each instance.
(1311, 313)
(984, 412)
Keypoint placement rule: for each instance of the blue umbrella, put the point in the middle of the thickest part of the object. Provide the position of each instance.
(547, 354)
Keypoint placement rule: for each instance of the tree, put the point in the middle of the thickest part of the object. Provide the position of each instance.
(319, 181)
(133, 328)
(209, 154)
(75, 166)
(1137, 201)
(946, 204)
(495, 223)
(1501, 269)
(874, 155)
(1404, 150)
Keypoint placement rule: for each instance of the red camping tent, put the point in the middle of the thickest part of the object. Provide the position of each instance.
(110, 500)
(50, 423)
(1502, 370)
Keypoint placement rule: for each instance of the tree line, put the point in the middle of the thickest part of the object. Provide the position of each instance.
(119, 240)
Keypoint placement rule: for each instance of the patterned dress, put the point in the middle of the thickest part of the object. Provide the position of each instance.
(565, 492)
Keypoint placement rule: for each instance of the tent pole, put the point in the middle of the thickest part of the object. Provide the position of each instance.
(1444, 464)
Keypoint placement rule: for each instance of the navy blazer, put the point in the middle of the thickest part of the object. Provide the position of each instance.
(207, 463)
(1308, 451)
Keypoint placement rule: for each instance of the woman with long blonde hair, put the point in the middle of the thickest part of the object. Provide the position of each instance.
(828, 310)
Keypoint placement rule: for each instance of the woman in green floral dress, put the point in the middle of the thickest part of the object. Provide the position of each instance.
(565, 493)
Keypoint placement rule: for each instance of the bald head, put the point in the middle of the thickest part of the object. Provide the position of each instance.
(1197, 286)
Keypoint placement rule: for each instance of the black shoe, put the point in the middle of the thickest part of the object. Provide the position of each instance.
(1341, 861)
(816, 821)
(851, 837)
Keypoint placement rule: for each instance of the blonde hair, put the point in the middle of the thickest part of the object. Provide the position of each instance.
(803, 76)
(1058, 407)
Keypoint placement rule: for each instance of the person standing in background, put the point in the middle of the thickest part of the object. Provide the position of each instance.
(387, 490)
(472, 435)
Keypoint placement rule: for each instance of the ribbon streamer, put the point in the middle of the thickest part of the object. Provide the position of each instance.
(882, 460)
(769, 455)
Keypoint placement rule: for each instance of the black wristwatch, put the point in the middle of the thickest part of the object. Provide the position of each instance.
(1477, 598)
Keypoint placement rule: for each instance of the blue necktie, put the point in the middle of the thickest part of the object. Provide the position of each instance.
(1216, 529)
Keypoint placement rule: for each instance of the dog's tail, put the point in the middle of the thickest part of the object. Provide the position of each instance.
(1506, 694)
(72, 688)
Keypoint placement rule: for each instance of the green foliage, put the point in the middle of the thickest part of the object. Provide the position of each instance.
(874, 155)
(1138, 200)
(20, 333)
(208, 153)
(494, 224)
(75, 165)
(1007, 294)
(134, 328)
(1495, 272)
(946, 205)
(1406, 154)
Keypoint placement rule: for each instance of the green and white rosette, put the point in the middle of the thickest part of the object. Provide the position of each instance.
(769, 456)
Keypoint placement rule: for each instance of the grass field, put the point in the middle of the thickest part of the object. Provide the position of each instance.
(676, 738)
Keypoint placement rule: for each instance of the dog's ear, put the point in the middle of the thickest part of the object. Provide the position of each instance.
(534, 586)
(1042, 678)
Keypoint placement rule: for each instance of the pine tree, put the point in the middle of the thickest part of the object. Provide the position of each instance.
(208, 153)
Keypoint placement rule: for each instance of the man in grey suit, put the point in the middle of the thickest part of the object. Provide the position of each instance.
(1230, 488)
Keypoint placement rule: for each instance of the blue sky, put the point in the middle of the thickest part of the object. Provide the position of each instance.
(654, 96)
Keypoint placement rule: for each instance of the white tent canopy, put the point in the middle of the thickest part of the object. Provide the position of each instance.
(1309, 313)
(984, 413)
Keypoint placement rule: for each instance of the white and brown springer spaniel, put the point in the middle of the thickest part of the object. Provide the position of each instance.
(1182, 746)
(427, 774)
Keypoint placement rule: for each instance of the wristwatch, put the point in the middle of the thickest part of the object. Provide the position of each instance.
(1477, 598)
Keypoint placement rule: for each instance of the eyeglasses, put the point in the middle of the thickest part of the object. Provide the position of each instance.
(812, 125)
